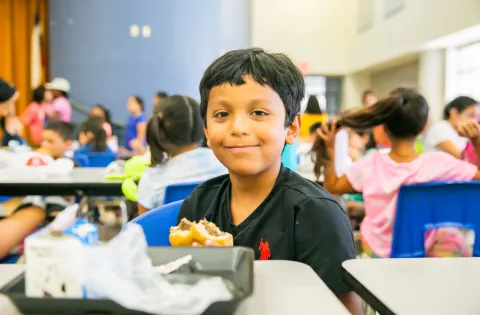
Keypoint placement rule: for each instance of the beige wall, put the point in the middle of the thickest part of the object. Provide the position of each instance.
(353, 87)
(401, 76)
(316, 31)
(406, 31)
(324, 32)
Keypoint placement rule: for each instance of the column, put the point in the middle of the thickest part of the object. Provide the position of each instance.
(431, 80)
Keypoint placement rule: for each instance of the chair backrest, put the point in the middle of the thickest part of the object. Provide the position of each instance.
(100, 159)
(179, 191)
(81, 160)
(156, 223)
(422, 207)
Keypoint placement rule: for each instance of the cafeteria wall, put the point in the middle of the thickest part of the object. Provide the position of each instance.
(406, 29)
(317, 32)
(406, 75)
(91, 46)
(358, 38)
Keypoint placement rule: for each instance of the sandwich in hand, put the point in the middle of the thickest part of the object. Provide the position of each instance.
(187, 232)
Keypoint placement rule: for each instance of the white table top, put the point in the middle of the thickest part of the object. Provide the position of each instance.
(281, 287)
(84, 179)
(288, 287)
(8, 273)
(79, 175)
(421, 285)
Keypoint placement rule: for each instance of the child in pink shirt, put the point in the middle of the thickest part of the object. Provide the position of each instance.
(36, 114)
(61, 107)
(379, 176)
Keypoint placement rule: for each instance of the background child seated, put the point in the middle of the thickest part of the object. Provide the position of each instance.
(99, 111)
(92, 137)
(173, 134)
(102, 113)
(379, 176)
(57, 138)
(34, 211)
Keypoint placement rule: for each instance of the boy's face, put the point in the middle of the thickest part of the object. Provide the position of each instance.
(54, 143)
(246, 127)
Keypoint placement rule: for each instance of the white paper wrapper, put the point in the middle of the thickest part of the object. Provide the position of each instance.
(32, 165)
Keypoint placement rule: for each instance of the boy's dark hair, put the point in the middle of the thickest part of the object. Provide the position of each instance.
(175, 123)
(313, 106)
(365, 94)
(106, 112)
(404, 114)
(161, 95)
(38, 94)
(274, 70)
(63, 129)
(94, 125)
(461, 103)
(139, 101)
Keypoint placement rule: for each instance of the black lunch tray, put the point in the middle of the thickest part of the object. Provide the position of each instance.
(234, 264)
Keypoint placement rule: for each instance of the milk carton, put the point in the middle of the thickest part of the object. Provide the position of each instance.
(55, 258)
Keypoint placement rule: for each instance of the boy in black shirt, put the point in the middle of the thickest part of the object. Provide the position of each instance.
(250, 103)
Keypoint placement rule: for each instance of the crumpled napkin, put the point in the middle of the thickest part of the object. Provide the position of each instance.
(122, 271)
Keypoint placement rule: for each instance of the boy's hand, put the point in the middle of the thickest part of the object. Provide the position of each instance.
(469, 129)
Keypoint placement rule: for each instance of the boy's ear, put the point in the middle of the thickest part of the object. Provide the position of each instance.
(206, 136)
(68, 143)
(293, 130)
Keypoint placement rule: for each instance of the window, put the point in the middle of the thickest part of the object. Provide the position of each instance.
(328, 91)
(463, 72)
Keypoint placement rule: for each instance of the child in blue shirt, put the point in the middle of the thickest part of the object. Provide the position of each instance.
(136, 124)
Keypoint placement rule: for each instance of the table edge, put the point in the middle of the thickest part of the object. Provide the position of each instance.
(365, 294)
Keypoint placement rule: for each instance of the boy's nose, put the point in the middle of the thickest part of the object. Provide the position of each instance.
(240, 125)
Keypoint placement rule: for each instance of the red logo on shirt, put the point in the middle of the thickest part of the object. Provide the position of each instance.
(36, 161)
(264, 250)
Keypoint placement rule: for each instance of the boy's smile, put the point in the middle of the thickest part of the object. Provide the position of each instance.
(245, 126)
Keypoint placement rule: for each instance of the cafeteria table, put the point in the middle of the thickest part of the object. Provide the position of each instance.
(411, 286)
(280, 287)
(82, 181)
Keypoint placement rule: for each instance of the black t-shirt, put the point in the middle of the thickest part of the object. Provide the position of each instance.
(298, 221)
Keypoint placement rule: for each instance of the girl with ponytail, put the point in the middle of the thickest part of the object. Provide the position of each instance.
(174, 133)
(379, 176)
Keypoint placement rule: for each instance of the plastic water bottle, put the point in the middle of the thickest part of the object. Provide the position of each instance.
(13, 145)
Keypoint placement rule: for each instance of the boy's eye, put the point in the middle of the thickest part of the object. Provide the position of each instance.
(221, 115)
(259, 113)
